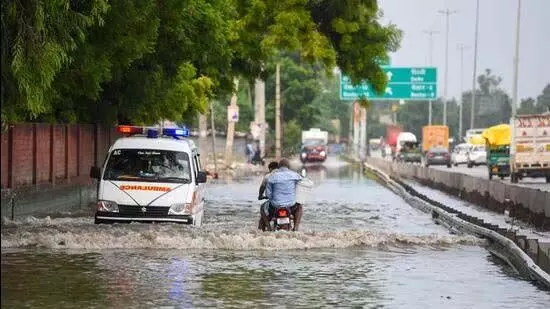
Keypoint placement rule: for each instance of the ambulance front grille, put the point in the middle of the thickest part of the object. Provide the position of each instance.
(138, 211)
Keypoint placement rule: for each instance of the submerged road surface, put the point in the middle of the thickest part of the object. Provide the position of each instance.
(360, 246)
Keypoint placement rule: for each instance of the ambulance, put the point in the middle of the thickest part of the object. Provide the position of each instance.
(151, 174)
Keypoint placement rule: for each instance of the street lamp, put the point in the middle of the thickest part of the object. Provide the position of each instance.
(447, 14)
(516, 63)
(430, 33)
(462, 48)
(474, 74)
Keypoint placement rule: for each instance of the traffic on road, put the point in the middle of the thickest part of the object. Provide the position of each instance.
(519, 152)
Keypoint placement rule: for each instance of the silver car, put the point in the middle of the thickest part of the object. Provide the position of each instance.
(477, 155)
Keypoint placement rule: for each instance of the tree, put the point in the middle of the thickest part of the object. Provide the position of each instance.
(527, 106)
(142, 61)
(38, 41)
(543, 100)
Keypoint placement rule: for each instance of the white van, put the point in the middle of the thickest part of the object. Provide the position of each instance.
(151, 175)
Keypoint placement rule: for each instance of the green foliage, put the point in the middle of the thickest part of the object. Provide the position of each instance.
(141, 61)
(292, 137)
(38, 40)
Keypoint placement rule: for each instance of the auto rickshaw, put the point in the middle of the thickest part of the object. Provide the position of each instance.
(498, 150)
(410, 152)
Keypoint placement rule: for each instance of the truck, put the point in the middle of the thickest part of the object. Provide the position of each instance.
(314, 145)
(392, 132)
(530, 147)
(435, 136)
(497, 141)
(408, 149)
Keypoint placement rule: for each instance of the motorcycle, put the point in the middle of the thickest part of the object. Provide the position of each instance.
(282, 220)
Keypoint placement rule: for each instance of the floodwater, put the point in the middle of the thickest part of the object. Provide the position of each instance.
(359, 246)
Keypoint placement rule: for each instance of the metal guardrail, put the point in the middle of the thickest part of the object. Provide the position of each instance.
(512, 253)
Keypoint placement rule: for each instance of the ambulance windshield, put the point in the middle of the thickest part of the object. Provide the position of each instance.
(148, 165)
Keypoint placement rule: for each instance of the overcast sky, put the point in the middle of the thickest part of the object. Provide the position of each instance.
(495, 45)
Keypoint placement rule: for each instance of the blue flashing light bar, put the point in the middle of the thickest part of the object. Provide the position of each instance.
(153, 132)
(176, 132)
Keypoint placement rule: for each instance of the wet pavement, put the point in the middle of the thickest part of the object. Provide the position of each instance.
(359, 246)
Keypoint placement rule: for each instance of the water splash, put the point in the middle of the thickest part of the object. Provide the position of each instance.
(80, 233)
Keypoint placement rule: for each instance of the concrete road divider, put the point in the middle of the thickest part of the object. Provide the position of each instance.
(528, 257)
(527, 204)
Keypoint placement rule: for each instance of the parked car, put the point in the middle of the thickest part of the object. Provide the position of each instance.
(460, 154)
(477, 155)
(438, 156)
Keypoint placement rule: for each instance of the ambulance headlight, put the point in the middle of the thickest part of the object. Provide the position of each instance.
(107, 206)
(180, 209)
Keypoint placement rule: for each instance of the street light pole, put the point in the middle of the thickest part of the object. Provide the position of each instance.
(447, 14)
(461, 47)
(278, 112)
(516, 63)
(430, 33)
(474, 74)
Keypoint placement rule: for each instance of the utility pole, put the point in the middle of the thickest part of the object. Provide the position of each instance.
(474, 74)
(259, 112)
(447, 14)
(430, 33)
(231, 126)
(516, 62)
(213, 128)
(203, 129)
(462, 48)
(278, 112)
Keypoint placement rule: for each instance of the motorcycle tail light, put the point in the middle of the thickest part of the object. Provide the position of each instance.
(282, 213)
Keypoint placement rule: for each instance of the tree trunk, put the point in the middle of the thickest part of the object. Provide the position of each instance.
(231, 128)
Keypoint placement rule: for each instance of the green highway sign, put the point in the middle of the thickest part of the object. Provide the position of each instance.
(393, 92)
(403, 84)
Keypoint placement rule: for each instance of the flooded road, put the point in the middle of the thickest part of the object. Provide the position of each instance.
(359, 246)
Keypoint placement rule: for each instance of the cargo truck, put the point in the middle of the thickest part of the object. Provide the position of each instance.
(530, 147)
(392, 132)
(435, 136)
(314, 145)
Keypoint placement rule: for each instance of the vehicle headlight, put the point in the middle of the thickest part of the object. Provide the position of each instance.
(180, 209)
(322, 153)
(304, 154)
(107, 206)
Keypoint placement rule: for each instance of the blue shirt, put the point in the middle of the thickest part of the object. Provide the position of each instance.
(281, 187)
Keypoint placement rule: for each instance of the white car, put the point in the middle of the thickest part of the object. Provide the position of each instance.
(151, 175)
(477, 155)
(460, 154)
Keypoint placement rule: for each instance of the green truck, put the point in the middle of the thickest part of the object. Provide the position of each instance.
(410, 152)
(498, 150)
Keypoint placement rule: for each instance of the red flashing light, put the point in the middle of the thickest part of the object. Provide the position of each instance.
(129, 130)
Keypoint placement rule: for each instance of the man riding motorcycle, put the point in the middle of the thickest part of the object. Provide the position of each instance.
(272, 167)
(280, 189)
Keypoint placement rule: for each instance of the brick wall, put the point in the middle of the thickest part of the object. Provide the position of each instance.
(37, 154)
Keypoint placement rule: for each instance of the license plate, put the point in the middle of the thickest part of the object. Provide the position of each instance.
(283, 220)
